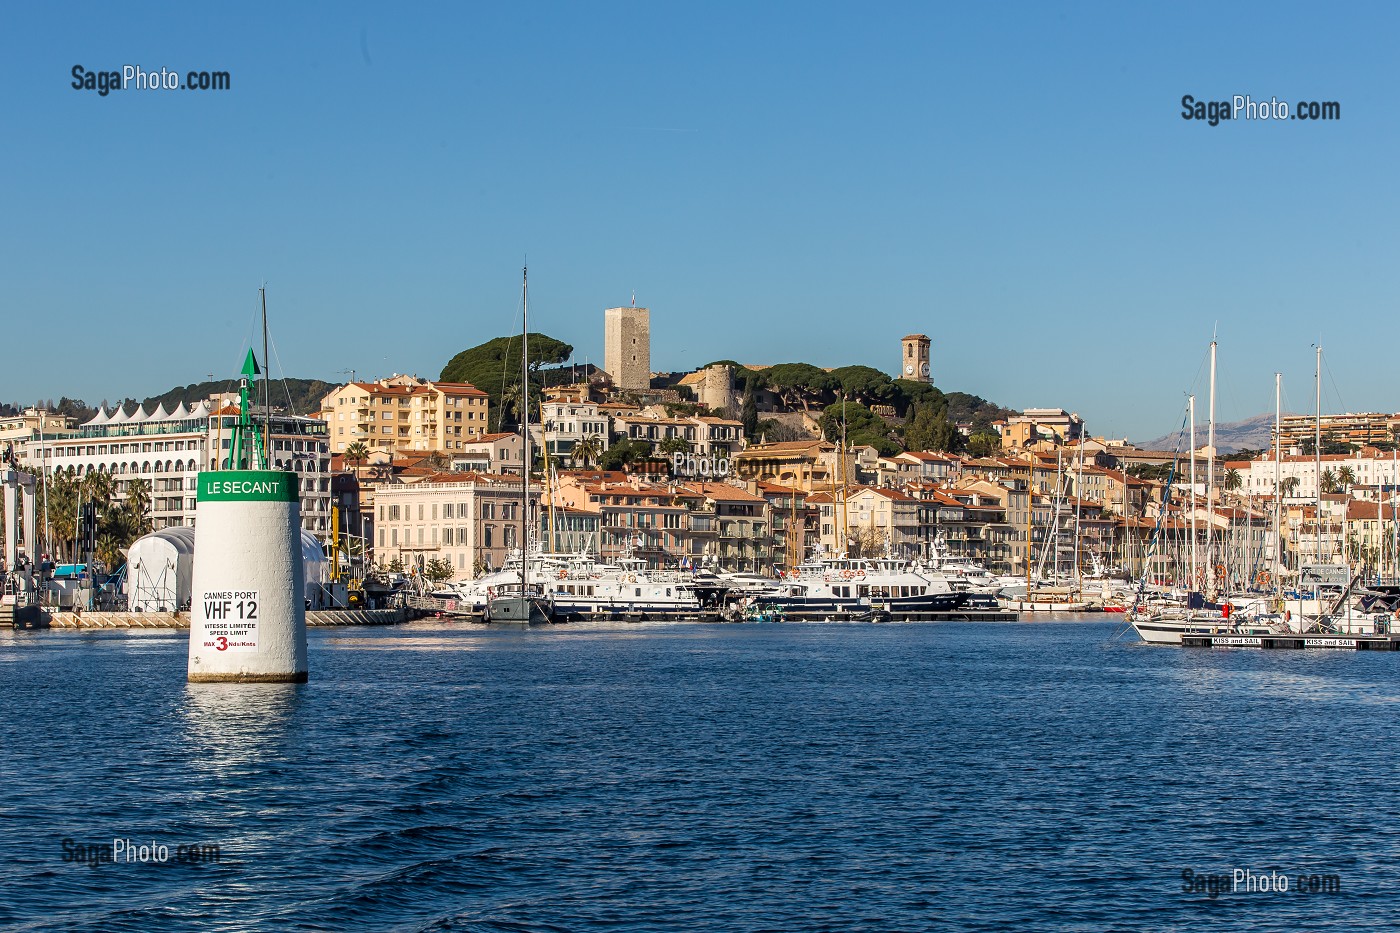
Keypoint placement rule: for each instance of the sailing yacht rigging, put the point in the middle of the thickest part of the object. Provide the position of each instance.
(523, 602)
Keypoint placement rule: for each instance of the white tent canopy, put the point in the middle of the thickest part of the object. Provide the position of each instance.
(160, 571)
(318, 571)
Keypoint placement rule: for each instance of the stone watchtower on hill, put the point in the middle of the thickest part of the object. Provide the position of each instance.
(717, 390)
(914, 359)
(627, 347)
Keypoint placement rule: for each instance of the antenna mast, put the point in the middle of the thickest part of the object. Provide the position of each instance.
(266, 390)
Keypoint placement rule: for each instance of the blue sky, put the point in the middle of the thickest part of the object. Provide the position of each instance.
(776, 182)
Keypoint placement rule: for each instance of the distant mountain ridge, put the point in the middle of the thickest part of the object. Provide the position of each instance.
(1252, 433)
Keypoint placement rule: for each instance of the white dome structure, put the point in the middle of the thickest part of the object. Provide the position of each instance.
(158, 571)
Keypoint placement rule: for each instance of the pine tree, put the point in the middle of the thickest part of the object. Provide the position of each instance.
(749, 413)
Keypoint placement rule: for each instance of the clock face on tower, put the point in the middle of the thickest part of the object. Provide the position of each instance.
(909, 369)
(923, 369)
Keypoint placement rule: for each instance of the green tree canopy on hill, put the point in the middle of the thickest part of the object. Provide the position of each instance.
(863, 427)
(799, 384)
(983, 444)
(930, 429)
(914, 395)
(980, 412)
(495, 365)
(867, 385)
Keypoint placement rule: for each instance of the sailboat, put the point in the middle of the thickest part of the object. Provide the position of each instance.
(523, 603)
(1051, 592)
(1322, 585)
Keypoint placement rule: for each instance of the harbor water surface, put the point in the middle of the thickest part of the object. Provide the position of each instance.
(1041, 775)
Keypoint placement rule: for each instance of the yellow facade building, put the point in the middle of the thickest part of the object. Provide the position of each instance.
(404, 413)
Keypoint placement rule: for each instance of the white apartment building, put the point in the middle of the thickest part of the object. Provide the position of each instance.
(169, 449)
(569, 417)
(491, 453)
(1369, 467)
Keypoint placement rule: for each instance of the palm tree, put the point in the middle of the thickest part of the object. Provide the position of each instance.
(1289, 485)
(1329, 481)
(122, 526)
(1232, 480)
(1346, 477)
(588, 450)
(98, 486)
(510, 402)
(138, 504)
(357, 453)
(109, 551)
(674, 445)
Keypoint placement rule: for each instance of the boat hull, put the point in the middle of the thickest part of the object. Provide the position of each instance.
(815, 604)
(518, 610)
(1160, 631)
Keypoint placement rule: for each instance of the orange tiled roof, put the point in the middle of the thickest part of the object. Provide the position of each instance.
(721, 491)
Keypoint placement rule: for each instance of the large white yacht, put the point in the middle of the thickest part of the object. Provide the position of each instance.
(854, 584)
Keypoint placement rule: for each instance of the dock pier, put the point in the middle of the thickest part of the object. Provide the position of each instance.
(1293, 642)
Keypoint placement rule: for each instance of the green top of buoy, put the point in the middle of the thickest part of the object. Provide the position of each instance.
(250, 365)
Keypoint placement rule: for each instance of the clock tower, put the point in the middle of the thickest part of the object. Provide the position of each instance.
(914, 359)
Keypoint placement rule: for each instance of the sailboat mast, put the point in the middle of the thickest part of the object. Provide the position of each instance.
(1278, 477)
(1127, 556)
(1193, 574)
(1030, 514)
(1210, 430)
(266, 391)
(1317, 451)
(1210, 476)
(794, 533)
(1078, 499)
(845, 515)
(524, 422)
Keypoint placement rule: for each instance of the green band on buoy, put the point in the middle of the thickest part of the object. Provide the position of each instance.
(248, 486)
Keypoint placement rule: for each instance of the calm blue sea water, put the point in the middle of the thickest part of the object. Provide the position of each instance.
(1038, 776)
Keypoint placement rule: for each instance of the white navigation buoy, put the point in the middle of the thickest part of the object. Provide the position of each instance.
(247, 615)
